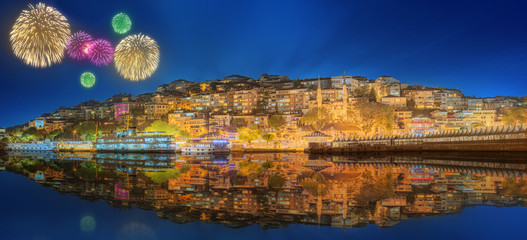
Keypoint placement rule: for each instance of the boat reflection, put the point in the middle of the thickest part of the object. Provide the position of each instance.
(275, 190)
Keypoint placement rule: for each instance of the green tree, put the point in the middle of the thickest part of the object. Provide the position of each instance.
(267, 137)
(516, 115)
(86, 131)
(162, 126)
(267, 164)
(277, 122)
(54, 134)
(249, 134)
(372, 116)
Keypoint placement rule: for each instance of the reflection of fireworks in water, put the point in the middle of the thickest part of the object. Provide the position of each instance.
(79, 46)
(121, 23)
(88, 223)
(87, 79)
(39, 36)
(137, 57)
(101, 52)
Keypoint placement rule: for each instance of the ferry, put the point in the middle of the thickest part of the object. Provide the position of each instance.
(46, 145)
(132, 141)
(74, 146)
(197, 147)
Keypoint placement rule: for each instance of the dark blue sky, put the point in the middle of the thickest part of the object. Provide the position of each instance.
(477, 46)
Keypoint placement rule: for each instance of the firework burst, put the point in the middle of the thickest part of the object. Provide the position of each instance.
(121, 23)
(137, 57)
(87, 79)
(39, 36)
(101, 52)
(79, 46)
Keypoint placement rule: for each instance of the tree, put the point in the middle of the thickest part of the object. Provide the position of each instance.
(238, 123)
(86, 131)
(137, 112)
(267, 137)
(54, 134)
(410, 103)
(317, 119)
(517, 115)
(267, 164)
(248, 168)
(277, 122)
(162, 126)
(249, 134)
(276, 181)
(372, 116)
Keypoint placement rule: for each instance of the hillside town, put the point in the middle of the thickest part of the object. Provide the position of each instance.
(275, 111)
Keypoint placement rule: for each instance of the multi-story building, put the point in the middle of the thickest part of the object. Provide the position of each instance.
(245, 101)
(289, 101)
(394, 101)
(338, 81)
(449, 99)
(424, 98)
(155, 110)
(219, 102)
(262, 121)
(200, 102)
(403, 117)
(474, 103)
(121, 109)
(480, 118)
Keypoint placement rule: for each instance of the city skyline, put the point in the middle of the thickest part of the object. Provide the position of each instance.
(456, 45)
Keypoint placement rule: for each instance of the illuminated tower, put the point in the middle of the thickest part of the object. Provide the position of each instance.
(344, 98)
(319, 95)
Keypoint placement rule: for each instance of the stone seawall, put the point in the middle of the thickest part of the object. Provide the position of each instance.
(492, 145)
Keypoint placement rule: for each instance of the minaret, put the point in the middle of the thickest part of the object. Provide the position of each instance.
(319, 95)
(344, 100)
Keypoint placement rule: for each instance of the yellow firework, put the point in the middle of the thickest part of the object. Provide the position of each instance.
(39, 35)
(136, 57)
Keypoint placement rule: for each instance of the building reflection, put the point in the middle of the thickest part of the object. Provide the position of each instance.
(274, 190)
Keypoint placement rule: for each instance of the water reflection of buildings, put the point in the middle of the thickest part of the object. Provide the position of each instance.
(274, 190)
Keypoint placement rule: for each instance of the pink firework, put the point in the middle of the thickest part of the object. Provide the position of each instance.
(101, 52)
(78, 45)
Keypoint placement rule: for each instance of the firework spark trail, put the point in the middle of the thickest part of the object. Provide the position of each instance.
(39, 36)
(87, 79)
(121, 23)
(79, 46)
(101, 52)
(137, 57)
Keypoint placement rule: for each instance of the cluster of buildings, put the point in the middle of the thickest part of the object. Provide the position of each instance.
(211, 106)
(278, 194)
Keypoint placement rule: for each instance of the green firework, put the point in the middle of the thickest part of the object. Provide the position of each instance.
(87, 79)
(121, 23)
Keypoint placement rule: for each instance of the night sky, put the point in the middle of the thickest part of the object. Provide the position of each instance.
(476, 46)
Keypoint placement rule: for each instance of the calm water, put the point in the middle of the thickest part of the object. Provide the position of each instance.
(261, 196)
